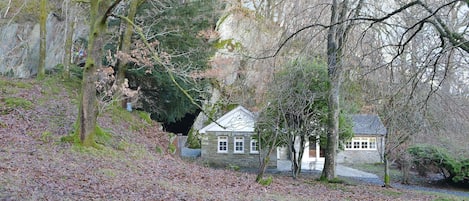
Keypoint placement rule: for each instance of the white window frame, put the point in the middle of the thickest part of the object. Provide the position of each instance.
(254, 148)
(238, 139)
(373, 141)
(348, 145)
(362, 143)
(222, 144)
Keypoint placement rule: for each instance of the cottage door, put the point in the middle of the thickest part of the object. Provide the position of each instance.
(315, 150)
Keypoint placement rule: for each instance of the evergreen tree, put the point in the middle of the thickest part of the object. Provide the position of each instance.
(177, 27)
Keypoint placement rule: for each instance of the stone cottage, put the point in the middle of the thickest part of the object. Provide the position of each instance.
(230, 140)
(367, 144)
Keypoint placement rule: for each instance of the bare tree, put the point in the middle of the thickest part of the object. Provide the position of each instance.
(69, 29)
(268, 131)
(297, 107)
(87, 113)
(126, 40)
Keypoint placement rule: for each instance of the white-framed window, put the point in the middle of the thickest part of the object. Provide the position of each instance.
(222, 144)
(361, 143)
(373, 143)
(254, 146)
(348, 145)
(238, 144)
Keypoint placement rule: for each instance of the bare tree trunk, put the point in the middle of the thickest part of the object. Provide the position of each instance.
(271, 145)
(297, 144)
(69, 29)
(41, 72)
(299, 157)
(266, 159)
(293, 155)
(387, 177)
(387, 151)
(126, 40)
(88, 111)
(329, 170)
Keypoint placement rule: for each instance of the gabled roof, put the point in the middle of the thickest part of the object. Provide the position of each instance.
(238, 120)
(367, 124)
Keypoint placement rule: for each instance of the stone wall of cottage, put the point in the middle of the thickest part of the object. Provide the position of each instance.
(362, 156)
(209, 151)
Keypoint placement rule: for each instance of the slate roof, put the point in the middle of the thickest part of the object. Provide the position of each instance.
(367, 124)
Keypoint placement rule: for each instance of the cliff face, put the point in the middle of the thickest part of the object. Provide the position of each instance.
(244, 38)
(241, 77)
(19, 46)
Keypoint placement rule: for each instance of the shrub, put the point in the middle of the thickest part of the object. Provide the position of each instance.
(453, 168)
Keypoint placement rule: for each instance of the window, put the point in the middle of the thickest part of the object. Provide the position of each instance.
(373, 143)
(364, 145)
(361, 143)
(222, 144)
(356, 145)
(254, 146)
(348, 145)
(238, 144)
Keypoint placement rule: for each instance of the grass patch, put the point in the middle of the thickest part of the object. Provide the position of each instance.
(145, 116)
(104, 152)
(8, 83)
(118, 113)
(138, 119)
(267, 181)
(51, 85)
(378, 169)
(16, 102)
(102, 137)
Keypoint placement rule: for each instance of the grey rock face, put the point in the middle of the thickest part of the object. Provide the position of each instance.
(19, 46)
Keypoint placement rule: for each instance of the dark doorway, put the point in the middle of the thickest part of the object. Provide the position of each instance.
(183, 125)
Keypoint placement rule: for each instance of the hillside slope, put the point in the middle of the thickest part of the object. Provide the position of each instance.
(133, 163)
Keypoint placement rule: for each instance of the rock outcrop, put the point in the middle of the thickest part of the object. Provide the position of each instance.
(241, 77)
(19, 46)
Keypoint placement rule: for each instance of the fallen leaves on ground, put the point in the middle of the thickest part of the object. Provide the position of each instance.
(36, 165)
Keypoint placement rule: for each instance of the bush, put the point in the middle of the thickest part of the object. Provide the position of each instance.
(453, 168)
(192, 140)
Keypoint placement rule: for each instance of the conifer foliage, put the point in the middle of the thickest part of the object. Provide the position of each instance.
(178, 30)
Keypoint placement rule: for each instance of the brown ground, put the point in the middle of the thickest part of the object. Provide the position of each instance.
(36, 165)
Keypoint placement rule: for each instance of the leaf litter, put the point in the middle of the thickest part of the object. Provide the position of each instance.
(36, 165)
